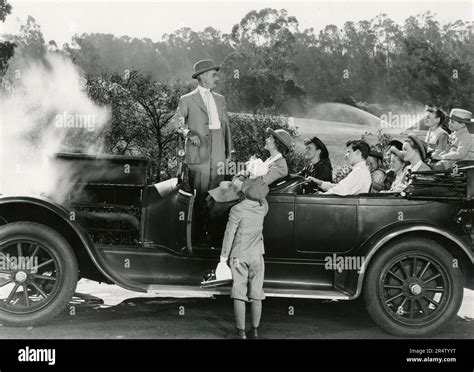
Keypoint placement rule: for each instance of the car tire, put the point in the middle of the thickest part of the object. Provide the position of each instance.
(412, 287)
(55, 274)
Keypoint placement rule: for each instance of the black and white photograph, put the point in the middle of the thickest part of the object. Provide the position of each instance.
(176, 173)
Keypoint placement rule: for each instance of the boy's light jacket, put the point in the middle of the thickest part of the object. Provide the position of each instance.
(243, 235)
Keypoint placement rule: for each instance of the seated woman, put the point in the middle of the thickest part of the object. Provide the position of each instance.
(319, 166)
(376, 172)
(278, 144)
(221, 198)
(414, 152)
(396, 177)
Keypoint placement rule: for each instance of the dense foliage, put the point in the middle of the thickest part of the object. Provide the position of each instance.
(270, 68)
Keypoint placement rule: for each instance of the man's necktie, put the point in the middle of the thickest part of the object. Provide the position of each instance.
(214, 122)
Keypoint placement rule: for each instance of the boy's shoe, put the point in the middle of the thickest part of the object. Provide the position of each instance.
(252, 333)
(239, 334)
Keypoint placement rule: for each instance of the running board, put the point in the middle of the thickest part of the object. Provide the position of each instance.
(189, 291)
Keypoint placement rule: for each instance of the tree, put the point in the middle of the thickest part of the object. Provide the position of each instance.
(141, 112)
(29, 46)
(264, 28)
(184, 47)
(6, 47)
(260, 75)
(5, 9)
(270, 66)
(426, 71)
(30, 41)
(249, 134)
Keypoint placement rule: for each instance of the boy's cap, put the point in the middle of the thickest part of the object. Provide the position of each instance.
(255, 189)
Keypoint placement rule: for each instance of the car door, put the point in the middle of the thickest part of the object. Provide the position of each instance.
(166, 219)
(279, 225)
(325, 223)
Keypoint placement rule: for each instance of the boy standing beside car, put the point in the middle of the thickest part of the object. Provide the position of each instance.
(243, 247)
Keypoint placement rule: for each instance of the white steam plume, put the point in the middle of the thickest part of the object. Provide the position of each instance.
(46, 111)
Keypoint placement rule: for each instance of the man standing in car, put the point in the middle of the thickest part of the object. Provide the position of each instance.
(202, 118)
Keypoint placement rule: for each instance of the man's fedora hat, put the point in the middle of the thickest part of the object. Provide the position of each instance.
(203, 66)
(460, 115)
(283, 136)
(420, 144)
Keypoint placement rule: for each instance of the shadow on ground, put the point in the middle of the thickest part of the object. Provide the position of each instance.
(209, 318)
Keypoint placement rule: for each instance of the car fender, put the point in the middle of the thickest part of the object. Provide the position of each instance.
(381, 238)
(60, 212)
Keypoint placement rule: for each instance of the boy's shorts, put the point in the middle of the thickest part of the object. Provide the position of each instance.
(247, 275)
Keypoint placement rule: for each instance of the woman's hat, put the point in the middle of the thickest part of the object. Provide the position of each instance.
(420, 144)
(283, 136)
(396, 143)
(203, 66)
(319, 145)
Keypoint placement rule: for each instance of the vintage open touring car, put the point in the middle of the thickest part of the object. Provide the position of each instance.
(416, 249)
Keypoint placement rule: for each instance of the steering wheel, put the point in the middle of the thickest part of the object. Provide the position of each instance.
(302, 182)
(315, 190)
(299, 185)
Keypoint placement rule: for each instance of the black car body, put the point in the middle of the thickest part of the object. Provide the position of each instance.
(409, 256)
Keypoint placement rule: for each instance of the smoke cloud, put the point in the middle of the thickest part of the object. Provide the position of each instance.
(46, 110)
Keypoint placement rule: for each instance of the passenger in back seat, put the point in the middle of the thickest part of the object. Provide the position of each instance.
(460, 144)
(374, 163)
(397, 175)
(415, 152)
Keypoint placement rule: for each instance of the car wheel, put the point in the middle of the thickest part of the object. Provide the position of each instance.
(412, 287)
(38, 274)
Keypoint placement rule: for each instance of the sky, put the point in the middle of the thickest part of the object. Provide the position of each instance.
(61, 19)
